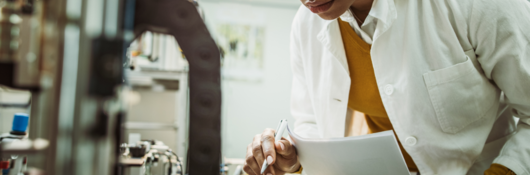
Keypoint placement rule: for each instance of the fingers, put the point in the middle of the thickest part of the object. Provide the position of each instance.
(248, 170)
(257, 151)
(270, 171)
(264, 149)
(287, 159)
(251, 166)
(285, 148)
(267, 145)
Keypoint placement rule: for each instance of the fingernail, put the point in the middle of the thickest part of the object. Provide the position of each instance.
(269, 173)
(282, 145)
(269, 160)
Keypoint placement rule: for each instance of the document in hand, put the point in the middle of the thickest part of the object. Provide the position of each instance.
(376, 154)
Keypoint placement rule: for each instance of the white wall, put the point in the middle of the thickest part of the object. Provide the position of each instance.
(250, 107)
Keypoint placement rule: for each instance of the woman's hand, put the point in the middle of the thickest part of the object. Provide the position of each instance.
(281, 154)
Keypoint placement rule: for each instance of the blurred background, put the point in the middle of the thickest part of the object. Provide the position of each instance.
(255, 96)
(103, 86)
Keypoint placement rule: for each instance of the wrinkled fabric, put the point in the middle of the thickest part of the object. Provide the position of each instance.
(440, 67)
(497, 169)
(364, 95)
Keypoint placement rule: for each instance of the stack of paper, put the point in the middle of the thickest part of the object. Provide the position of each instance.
(376, 154)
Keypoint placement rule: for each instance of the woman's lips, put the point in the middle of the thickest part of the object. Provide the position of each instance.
(321, 8)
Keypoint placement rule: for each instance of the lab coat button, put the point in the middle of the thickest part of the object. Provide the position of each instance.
(389, 89)
(411, 141)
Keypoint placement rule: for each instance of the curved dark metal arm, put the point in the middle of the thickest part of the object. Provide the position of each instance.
(181, 19)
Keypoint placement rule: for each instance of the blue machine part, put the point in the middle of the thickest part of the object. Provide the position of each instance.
(20, 122)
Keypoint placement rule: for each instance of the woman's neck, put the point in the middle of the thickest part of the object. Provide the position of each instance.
(361, 8)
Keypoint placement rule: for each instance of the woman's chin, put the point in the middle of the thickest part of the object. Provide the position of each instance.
(329, 16)
(332, 13)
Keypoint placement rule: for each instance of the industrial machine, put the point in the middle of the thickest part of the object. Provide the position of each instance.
(149, 157)
(73, 56)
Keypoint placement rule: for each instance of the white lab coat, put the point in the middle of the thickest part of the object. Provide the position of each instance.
(451, 73)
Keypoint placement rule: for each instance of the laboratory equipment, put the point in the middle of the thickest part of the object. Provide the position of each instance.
(71, 56)
(149, 157)
(15, 164)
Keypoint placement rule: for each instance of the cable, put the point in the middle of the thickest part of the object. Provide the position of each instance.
(170, 165)
(178, 160)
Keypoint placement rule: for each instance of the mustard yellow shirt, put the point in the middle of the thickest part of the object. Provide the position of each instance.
(364, 93)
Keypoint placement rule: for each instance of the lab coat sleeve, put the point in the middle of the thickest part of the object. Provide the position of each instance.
(301, 103)
(500, 34)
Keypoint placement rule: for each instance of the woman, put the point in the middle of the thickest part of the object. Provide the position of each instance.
(447, 76)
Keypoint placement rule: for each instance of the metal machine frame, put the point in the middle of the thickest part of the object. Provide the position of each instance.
(80, 121)
(181, 19)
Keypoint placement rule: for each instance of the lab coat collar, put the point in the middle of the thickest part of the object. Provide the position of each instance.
(330, 36)
(384, 10)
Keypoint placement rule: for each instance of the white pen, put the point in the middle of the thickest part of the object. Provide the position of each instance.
(277, 136)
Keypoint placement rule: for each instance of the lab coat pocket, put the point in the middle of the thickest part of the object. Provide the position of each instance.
(460, 95)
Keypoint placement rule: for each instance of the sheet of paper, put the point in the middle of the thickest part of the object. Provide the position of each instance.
(373, 154)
